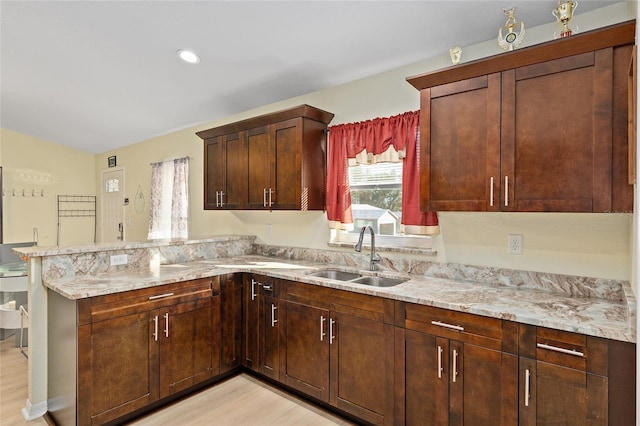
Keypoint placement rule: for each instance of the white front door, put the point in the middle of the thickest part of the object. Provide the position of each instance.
(112, 218)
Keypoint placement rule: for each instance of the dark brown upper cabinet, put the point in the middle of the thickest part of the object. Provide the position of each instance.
(275, 161)
(538, 129)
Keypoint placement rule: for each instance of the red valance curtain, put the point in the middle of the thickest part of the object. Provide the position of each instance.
(375, 137)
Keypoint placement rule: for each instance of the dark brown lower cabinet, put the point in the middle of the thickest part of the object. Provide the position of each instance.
(230, 322)
(381, 361)
(454, 368)
(572, 379)
(138, 347)
(261, 325)
(337, 348)
(554, 394)
(269, 331)
(454, 383)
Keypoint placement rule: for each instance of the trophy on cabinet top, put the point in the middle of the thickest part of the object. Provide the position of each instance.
(563, 14)
(512, 39)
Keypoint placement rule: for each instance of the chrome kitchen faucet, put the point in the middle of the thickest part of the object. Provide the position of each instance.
(374, 257)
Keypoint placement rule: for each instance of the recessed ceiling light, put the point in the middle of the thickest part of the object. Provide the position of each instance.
(188, 56)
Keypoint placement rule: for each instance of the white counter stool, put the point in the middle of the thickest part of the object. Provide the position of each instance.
(14, 319)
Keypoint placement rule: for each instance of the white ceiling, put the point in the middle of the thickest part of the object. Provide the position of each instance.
(101, 75)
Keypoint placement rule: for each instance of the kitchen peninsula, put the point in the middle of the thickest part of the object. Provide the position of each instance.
(531, 332)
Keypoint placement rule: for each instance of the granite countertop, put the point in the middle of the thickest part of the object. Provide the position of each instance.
(591, 316)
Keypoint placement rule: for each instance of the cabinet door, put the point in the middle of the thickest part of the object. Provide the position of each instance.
(230, 322)
(305, 358)
(235, 188)
(426, 372)
(115, 366)
(214, 181)
(269, 339)
(560, 395)
(186, 347)
(361, 367)
(286, 152)
(259, 167)
(460, 145)
(483, 386)
(557, 135)
(251, 318)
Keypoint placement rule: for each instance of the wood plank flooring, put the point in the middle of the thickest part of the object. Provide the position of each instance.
(13, 385)
(239, 401)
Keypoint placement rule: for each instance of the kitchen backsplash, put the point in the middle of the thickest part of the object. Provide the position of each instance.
(71, 261)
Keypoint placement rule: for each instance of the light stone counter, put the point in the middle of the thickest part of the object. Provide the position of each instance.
(609, 317)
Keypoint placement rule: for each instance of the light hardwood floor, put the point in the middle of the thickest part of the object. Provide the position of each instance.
(13, 385)
(239, 401)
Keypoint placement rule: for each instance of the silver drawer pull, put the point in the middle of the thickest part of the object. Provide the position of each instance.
(273, 315)
(267, 287)
(450, 326)
(491, 191)
(440, 362)
(155, 328)
(160, 296)
(253, 289)
(561, 350)
(322, 333)
(527, 387)
(454, 374)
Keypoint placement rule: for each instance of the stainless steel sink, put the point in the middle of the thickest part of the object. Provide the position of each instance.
(378, 281)
(333, 274)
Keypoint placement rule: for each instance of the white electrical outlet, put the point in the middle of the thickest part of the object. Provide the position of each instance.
(118, 259)
(515, 244)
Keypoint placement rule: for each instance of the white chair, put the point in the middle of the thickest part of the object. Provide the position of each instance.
(13, 319)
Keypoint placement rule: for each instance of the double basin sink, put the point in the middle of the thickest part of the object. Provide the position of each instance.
(356, 278)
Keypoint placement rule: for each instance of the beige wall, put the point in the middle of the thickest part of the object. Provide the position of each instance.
(46, 170)
(593, 244)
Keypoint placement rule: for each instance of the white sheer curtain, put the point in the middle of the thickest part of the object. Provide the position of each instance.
(169, 208)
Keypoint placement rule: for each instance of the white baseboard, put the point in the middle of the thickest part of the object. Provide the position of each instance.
(33, 411)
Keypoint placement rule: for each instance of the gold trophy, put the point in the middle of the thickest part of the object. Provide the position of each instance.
(512, 39)
(563, 13)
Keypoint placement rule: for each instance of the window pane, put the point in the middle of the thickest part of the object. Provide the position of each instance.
(376, 196)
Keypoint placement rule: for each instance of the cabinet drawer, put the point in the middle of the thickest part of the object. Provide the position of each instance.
(573, 350)
(126, 303)
(455, 325)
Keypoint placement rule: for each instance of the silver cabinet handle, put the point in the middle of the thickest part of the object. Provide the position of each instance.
(454, 373)
(222, 194)
(155, 328)
(506, 191)
(218, 202)
(166, 324)
(267, 287)
(449, 326)
(160, 296)
(253, 289)
(322, 333)
(491, 192)
(271, 193)
(561, 350)
(440, 362)
(273, 315)
(331, 335)
(527, 385)
(264, 197)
